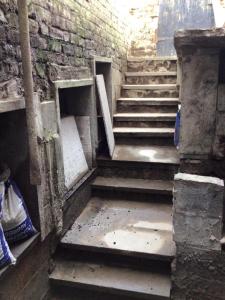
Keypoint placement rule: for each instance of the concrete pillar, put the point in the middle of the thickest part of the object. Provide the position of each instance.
(198, 270)
(198, 95)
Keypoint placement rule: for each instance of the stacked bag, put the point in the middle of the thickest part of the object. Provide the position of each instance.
(15, 223)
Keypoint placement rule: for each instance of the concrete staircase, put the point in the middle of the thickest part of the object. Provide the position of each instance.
(121, 245)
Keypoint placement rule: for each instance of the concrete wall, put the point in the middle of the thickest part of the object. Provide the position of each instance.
(198, 270)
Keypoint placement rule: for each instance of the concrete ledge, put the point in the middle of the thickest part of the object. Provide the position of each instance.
(198, 178)
(64, 84)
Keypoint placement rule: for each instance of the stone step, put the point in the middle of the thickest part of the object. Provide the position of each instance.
(151, 77)
(158, 105)
(149, 91)
(164, 87)
(164, 187)
(152, 64)
(154, 105)
(149, 101)
(138, 132)
(129, 228)
(140, 160)
(150, 117)
(110, 280)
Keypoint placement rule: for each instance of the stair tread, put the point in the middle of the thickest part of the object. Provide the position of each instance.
(146, 154)
(140, 114)
(150, 99)
(143, 130)
(113, 279)
(149, 86)
(143, 58)
(118, 226)
(150, 74)
(161, 186)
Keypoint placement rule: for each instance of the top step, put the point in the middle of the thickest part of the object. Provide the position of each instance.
(154, 58)
(152, 64)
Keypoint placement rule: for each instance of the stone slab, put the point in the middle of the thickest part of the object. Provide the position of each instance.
(75, 164)
(127, 227)
(106, 113)
(197, 231)
(11, 104)
(122, 281)
(148, 154)
(198, 96)
(200, 195)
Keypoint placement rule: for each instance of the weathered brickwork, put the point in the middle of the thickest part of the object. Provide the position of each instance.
(64, 36)
(144, 23)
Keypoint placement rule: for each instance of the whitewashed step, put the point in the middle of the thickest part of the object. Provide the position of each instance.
(165, 87)
(149, 101)
(150, 74)
(112, 280)
(143, 132)
(164, 187)
(152, 58)
(145, 117)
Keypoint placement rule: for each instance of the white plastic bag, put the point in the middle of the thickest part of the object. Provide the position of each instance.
(6, 257)
(16, 222)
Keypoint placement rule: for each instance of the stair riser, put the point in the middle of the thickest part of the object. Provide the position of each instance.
(151, 80)
(64, 292)
(137, 170)
(158, 141)
(145, 124)
(152, 66)
(132, 195)
(114, 259)
(129, 108)
(149, 93)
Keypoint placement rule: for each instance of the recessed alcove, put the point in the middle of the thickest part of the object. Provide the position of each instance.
(14, 153)
(77, 127)
(103, 65)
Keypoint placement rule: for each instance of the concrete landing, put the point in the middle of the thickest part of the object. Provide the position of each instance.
(115, 280)
(142, 153)
(126, 227)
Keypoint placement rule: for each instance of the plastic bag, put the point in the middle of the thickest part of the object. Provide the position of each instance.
(6, 257)
(16, 221)
(177, 130)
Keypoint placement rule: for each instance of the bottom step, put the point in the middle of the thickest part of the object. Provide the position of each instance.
(113, 280)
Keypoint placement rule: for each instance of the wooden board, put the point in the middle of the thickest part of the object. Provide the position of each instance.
(75, 164)
(84, 129)
(105, 113)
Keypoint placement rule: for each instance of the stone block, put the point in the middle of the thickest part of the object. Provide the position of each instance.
(199, 195)
(198, 231)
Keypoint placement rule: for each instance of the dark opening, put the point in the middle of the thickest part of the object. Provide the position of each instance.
(14, 153)
(104, 68)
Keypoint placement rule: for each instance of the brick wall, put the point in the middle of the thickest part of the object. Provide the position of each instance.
(143, 25)
(64, 36)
